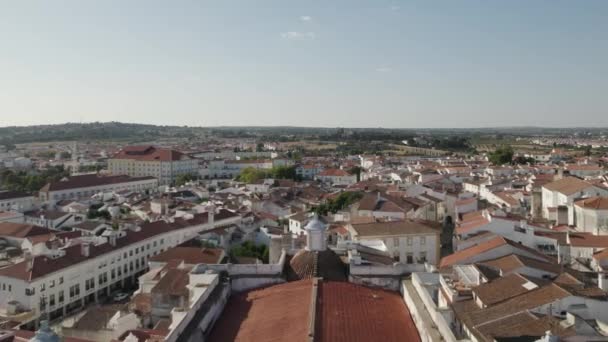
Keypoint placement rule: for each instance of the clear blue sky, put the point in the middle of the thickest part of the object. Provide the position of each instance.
(331, 63)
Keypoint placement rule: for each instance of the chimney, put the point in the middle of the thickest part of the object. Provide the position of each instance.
(85, 249)
(560, 174)
(112, 240)
(29, 261)
(211, 216)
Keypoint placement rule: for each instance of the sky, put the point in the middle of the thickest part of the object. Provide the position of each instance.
(331, 63)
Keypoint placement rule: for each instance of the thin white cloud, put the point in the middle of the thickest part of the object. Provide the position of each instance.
(305, 18)
(384, 69)
(395, 8)
(297, 35)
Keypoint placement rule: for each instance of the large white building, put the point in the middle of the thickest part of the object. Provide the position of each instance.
(564, 191)
(591, 215)
(15, 200)
(164, 164)
(407, 241)
(85, 186)
(336, 177)
(233, 168)
(86, 268)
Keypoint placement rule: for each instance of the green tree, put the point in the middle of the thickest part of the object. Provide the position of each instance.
(251, 175)
(249, 249)
(588, 150)
(333, 205)
(502, 155)
(283, 172)
(183, 179)
(356, 170)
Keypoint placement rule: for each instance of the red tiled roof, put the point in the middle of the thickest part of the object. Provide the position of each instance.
(43, 265)
(588, 240)
(333, 173)
(85, 181)
(349, 312)
(22, 230)
(149, 153)
(568, 185)
(276, 314)
(465, 254)
(7, 195)
(190, 255)
(344, 312)
(598, 203)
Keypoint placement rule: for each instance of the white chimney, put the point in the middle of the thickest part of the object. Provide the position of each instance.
(29, 261)
(112, 240)
(85, 249)
(211, 216)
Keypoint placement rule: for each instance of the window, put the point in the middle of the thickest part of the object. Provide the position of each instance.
(42, 287)
(89, 284)
(410, 258)
(60, 297)
(60, 280)
(396, 242)
(423, 240)
(409, 241)
(74, 290)
(52, 300)
(52, 283)
(30, 292)
(422, 258)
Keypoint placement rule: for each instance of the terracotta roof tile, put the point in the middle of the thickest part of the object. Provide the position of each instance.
(568, 185)
(85, 181)
(191, 255)
(353, 313)
(393, 228)
(598, 203)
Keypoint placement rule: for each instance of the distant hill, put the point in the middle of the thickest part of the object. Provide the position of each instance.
(91, 131)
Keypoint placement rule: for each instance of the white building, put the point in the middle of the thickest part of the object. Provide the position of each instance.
(407, 241)
(16, 201)
(233, 168)
(336, 177)
(308, 171)
(564, 191)
(85, 186)
(591, 215)
(163, 164)
(87, 268)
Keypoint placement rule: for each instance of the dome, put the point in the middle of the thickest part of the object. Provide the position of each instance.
(309, 264)
(315, 224)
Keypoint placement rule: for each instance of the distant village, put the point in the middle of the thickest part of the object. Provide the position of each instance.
(241, 238)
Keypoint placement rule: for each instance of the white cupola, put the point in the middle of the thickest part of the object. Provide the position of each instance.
(315, 234)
